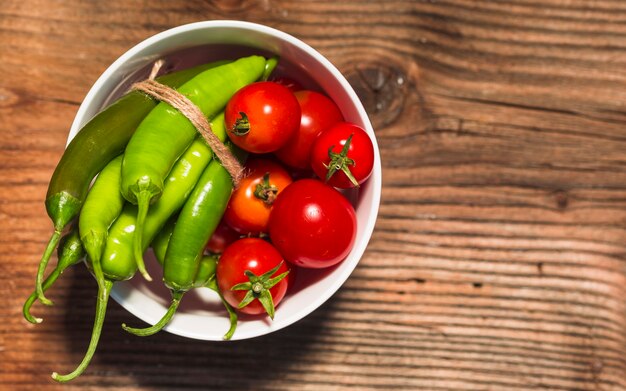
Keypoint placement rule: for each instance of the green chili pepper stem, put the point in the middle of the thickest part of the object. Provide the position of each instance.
(143, 203)
(52, 245)
(95, 254)
(101, 307)
(232, 314)
(158, 326)
(70, 252)
(50, 280)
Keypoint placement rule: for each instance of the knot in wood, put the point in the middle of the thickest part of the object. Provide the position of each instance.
(382, 90)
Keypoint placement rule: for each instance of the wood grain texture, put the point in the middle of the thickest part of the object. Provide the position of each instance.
(498, 261)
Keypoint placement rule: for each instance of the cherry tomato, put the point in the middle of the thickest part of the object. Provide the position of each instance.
(318, 114)
(262, 116)
(343, 156)
(259, 257)
(312, 224)
(223, 236)
(248, 210)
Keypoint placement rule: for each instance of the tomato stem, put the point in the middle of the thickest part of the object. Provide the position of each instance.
(258, 288)
(265, 190)
(242, 125)
(340, 162)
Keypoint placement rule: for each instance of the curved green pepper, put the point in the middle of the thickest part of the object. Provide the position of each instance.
(162, 239)
(117, 265)
(70, 252)
(100, 140)
(117, 259)
(102, 206)
(205, 278)
(194, 226)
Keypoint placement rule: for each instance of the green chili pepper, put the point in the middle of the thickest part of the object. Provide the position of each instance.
(181, 182)
(70, 252)
(102, 206)
(117, 260)
(162, 239)
(195, 224)
(207, 266)
(206, 270)
(178, 186)
(117, 265)
(165, 133)
(100, 140)
(205, 278)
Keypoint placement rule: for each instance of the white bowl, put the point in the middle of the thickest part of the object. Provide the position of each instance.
(200, 315)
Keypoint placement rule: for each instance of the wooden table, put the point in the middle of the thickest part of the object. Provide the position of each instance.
(498, 260)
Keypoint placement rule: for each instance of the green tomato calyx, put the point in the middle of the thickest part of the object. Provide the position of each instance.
(265, 191)
(242, 125)
(259, 288)
(340, 162)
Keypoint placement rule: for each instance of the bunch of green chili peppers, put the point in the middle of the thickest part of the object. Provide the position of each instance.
(158, 184)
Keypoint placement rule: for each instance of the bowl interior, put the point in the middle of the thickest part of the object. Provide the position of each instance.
(201, 315)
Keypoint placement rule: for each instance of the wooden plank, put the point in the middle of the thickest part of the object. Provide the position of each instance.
(497, 262)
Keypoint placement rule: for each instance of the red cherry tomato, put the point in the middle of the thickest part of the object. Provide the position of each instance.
(248, 210)
(318, 114)
(262, 116)
(223, 236)
(312, 224)
(259, 257)
(343, 156)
